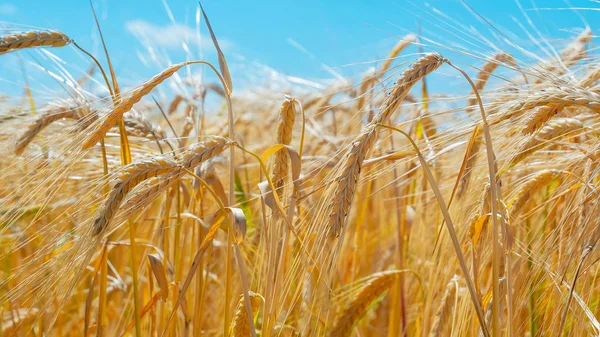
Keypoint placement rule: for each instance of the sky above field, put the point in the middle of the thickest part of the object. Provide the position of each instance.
(309, 39)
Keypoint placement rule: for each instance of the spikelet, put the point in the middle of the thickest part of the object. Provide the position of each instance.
(351, 166)
(42, 122)
(130, 176)
(554, 129)
(444, 310)
(285, 126)
(485, 73)
(33, 39)
(377, 284)
(127, 103)
(240, 327)
(529, 188)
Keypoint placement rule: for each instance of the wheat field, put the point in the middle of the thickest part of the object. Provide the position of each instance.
(372, 206)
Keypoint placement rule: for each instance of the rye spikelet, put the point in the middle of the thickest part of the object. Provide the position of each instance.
(444, 311)
(33, 39)
(554, 129)
(285, 126)
(377, 284)
(530, 188)
(127, 103)
(42, 122)
(240, 327)
(130, 176)
(351, 166)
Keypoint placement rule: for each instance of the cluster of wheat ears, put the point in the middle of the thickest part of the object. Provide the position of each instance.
(359, 210)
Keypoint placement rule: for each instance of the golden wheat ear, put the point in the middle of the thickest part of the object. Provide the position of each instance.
(351, 166)
(33, 39)
(240, 326)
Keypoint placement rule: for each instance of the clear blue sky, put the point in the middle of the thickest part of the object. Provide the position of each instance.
(337, 33)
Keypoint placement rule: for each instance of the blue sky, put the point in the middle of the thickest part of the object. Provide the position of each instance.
(345, 35)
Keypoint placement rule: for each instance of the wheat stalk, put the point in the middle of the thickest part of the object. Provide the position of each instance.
(33, 39)
(362, 144)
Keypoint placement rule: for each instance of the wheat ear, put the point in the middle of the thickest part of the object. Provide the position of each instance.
(193, 156)
(351, 166)
(127, 103)
(539, 117)
(529, 188)
(285, 126)
(372, 76)
(473, 149)
(240, 327)
(444, 310)
(567, 96)
(360, 303)
(568, 56)
(42, 122)
(406, 41)
(138, 125)
(554, 129)
(33, 39)
(485, 73)
(130, 176)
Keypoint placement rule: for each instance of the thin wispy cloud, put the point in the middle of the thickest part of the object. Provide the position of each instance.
(170, 36)
(8, 9)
